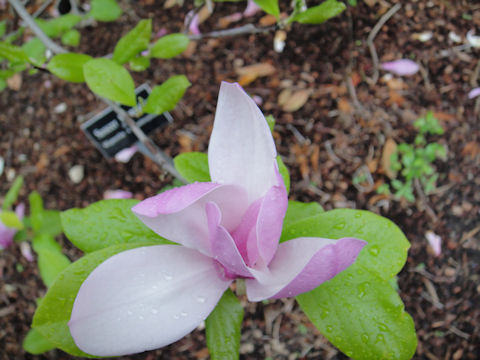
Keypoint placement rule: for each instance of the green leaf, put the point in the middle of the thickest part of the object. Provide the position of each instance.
(362, 315)
(45, 242)
(12, 53)
(298, 211)
(58, 26)
(50, 264)
(53, 314)
(164, 97)
(223, 328)
(105, 10)
(269, 6)
(282, 168)
(193, 166)
(71, 38)
(139, 63)
(3, 27)
(358, 310)
(35, 343)
(386, 251)
(43, 221)
(135, 41)
(12, 193)
(35, 50)
(321, 13)
(169, 46)
(69, 66)
(11, 220)
(108, 79)
(106, 223)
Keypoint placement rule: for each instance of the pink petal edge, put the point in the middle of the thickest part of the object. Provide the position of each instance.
(301, 265)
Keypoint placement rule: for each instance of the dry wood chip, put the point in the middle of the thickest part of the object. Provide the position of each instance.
(296, 100)
(388, 149)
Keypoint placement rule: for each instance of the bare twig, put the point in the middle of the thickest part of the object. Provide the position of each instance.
(20, 9)
(246, 29)
(373, 34)
(424, 201)
(158, 156)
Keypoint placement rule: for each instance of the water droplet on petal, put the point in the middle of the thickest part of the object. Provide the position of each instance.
(201, 299)
(154, 311)
(183, 314)
(129, 313)
(140, 317)
(176, 317)
(167, 277)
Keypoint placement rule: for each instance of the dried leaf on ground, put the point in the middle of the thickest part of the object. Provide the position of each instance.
(388, 149)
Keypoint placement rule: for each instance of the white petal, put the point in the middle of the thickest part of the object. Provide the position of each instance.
(241, 150)
(143, 299)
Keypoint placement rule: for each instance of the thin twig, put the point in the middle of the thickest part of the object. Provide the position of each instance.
(424, 201)
(20, 9)
(373, 34)
(246, 29)
(158, 157)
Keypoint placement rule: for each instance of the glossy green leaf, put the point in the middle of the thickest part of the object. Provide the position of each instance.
(321, 13)
(109, 79)
(386, 251)
(106, 223)
(282, 168)
(269, 6)
(53, 314)
(69, 66)
(298, 211)
(358, 310)
(169, 46)
(12, 193)
(35, 50)
(139, 63)
(35, 343)
(362, 315)
(105, 10)
(71, 38)
(11, 220)
(135, 41)
(12, 53)
(43, 221)
(193, 166)
(58, 26)
(164, 97)
(45, 242)
(223, 328)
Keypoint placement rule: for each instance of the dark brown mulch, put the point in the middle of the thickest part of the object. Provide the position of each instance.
(324, 144)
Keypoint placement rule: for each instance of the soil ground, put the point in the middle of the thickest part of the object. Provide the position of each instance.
(340, 130)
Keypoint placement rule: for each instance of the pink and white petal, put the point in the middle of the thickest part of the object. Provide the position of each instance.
(268, 226)
(143, 299)
(301, 265)
(179, 214)
(224, 249)
(20, 210)
(6, 236)
(241, 150)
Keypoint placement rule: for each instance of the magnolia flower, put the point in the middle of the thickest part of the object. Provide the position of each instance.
(6, 233)
(229, 228)
(402, 67)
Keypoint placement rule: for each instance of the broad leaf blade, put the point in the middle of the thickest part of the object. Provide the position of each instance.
(135, 41)
(362, 315)
(193, 166)
(169, 46)
(164, 97)
(53, 314)
(223, 328)
(106, 223)
(108, 79)
(35, 50)
(298, 211)
(321, 13)
(50, 264)
(12, 53)
(35, 343)
(269, 6)
(105, 10)
(69, 66)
